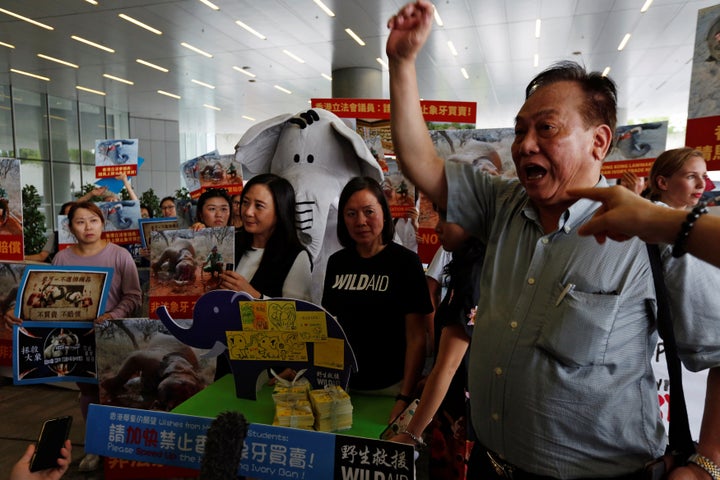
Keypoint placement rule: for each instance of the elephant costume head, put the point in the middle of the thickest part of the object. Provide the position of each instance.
(317, 153)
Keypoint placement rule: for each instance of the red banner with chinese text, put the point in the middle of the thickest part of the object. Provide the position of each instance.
(704, 134)
(433, 110)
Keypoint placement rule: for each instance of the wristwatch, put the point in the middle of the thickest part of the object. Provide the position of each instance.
(706, 464)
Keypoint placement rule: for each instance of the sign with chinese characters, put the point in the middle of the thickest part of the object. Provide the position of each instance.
(115, 157)
(212, 170)
(703, 124)
(184, 264)
(268, 453)
(47, 352)
(52, 293)
(433, 110)
(635, 149)
(11, 211)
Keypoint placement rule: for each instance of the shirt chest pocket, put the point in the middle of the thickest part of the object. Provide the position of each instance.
(576, 332)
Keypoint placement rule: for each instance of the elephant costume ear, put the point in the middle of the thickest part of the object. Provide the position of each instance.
(257, 146)
(366, 161)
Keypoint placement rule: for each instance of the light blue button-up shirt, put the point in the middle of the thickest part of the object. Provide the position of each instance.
(560, 372)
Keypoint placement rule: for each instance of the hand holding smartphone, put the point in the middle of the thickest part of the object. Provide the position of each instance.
(52, 438)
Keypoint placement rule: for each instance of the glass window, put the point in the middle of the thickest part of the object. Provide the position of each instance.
(31, 126)
(118, 124)
(6, 141)
(88, 175)
(92, 127)
(66, 180)
(64, 134)
(37, 173)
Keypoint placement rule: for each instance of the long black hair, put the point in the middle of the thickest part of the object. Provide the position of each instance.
(284, 236)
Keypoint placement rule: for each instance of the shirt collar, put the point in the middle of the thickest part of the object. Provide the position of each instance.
(574, 216)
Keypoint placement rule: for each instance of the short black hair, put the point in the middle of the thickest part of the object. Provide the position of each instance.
(357, 184)
(207, 195)
(600, 106)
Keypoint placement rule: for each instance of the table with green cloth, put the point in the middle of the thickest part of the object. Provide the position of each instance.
(370, 413)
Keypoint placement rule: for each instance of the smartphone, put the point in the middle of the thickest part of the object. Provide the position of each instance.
(52, 438)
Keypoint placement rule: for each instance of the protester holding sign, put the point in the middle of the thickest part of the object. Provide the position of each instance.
(91, 250)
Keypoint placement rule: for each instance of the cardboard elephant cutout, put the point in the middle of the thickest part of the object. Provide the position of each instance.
(318, 154)
(280, 333)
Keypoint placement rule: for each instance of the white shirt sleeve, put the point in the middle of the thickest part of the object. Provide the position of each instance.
(297, 283)
(437, 265)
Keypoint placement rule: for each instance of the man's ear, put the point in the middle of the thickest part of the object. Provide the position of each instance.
(602, 140)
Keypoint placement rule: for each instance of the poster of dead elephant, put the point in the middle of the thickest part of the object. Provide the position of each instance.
(184, 264)
(140, 365)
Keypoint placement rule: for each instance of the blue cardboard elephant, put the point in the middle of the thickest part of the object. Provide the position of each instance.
(218, 312)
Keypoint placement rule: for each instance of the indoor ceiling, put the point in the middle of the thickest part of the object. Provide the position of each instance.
(495, 42)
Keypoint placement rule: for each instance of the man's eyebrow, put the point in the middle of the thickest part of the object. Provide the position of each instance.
(541, 113)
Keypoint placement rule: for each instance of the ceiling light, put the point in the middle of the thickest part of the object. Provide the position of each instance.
(536, 60)
(211, 107)
(464, 73)
(451, 46)
(151, 65)
(196, 50)
(646, 6)
(436, 14)
(203, 84)
(251, 30)
(293, 56)
(168, 94)
(118, 79)
(355, 37)
(248, 118)
(324, 8)
(6, 45)
(92, 44)
(326, 77)
(538, 23)
(140, 24)
(283, 89)
(25, 19)
(90, 90)
(624, 41)
(606, 72)
(93, 2)
(382, 62)
(28, 74)
(244, 71)
(57, 60)
(210, 4)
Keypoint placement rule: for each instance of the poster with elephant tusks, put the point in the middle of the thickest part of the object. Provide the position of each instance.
(115, 157)
(51, 293)
(212, 170)
(47, 352)
(185, 264)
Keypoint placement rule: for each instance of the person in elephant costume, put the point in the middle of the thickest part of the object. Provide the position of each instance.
(317, 153)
